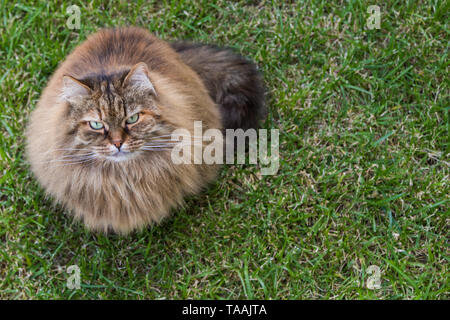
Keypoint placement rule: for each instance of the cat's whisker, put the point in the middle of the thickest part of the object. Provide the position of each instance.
(74, 160)
(75, 163)
(161, 141)
(78, 155)
(162, 136)
(65, 160)
(159, 145)
(164, 142)
(177, 135)
(68, 158)
(156, 149)
(132, 145)
(65, 149)
(174, 142)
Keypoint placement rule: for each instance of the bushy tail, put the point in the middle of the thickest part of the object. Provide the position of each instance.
(233, 83)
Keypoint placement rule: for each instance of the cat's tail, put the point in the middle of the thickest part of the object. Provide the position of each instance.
(233, 83)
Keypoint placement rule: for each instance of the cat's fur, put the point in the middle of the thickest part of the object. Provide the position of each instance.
(109, 77)
(233, 82)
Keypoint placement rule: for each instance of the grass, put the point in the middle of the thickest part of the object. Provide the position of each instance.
(364, 170)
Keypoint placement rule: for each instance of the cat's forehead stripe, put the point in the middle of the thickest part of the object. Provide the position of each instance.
(109, 102)
(101, 113)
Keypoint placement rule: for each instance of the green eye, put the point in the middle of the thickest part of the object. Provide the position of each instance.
(133, 119)
(96, 125)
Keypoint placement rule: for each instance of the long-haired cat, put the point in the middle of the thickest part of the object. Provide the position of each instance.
(99, 139)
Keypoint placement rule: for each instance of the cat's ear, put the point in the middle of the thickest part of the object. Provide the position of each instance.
(74, 89)
(138, 77)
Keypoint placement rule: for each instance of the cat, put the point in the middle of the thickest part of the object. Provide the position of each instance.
(99, 139)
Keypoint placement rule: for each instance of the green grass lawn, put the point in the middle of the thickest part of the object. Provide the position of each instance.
(364, 159)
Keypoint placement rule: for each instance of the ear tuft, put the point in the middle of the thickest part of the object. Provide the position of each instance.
(138, 77)
(73, 89)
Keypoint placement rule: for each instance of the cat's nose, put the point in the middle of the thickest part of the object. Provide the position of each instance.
(117, 143)
(116, 137)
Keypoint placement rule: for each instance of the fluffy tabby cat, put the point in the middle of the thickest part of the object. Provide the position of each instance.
(99, 139)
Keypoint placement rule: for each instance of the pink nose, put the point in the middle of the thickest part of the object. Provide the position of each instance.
(117, 143)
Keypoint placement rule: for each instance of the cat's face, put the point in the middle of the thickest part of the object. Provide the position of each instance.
(114, 119)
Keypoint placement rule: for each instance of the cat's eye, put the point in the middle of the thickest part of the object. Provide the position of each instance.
(133, 119)
(96, 125)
